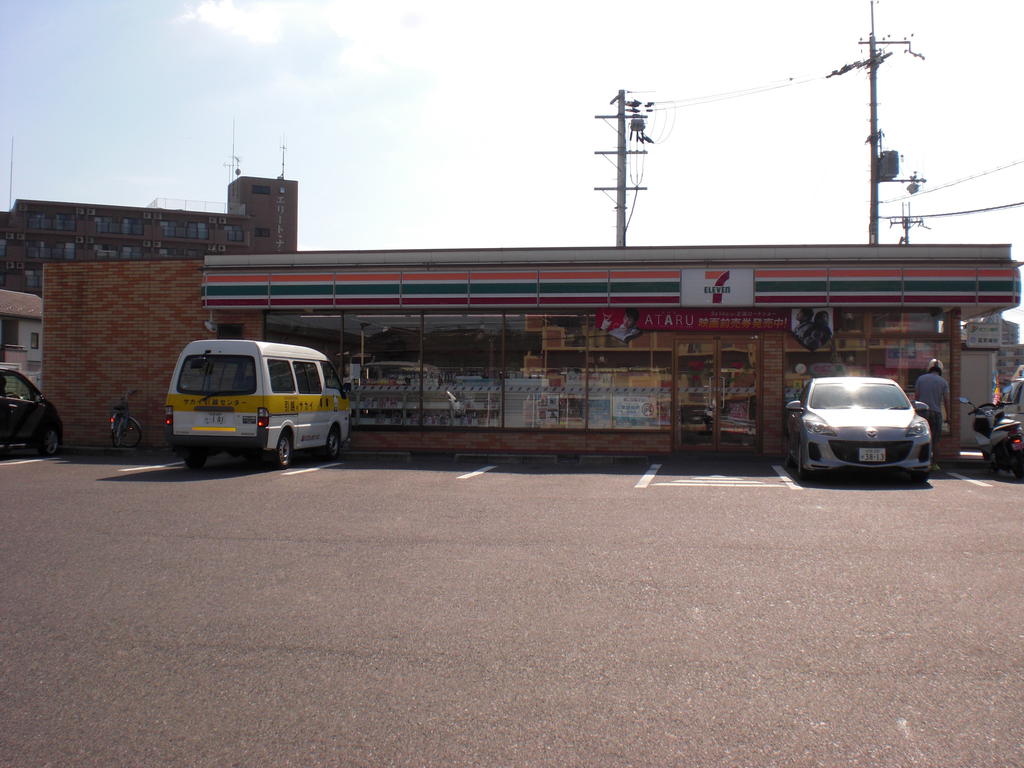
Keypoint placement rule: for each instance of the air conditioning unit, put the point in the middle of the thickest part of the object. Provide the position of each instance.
(20, 236)
(222, 248)
(156, 243)
(22, 206)
(19, 265)
(9, 265)
(213, 219)
(147, 215)
(147, 243)
(79, 239)
(211, 248)
(90, 240)
(80, 211)
(90, 212)
(9, 235)
(223, 220)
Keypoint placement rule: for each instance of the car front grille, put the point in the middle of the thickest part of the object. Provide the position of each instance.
(849, 450)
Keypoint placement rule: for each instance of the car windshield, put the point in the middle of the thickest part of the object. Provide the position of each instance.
(218, 375)
(877, 397)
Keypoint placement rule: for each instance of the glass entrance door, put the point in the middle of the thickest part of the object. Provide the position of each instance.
(716, 393)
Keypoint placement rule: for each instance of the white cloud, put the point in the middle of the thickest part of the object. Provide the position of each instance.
(259, 22)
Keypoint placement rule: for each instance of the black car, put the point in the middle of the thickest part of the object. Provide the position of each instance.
(27, 418)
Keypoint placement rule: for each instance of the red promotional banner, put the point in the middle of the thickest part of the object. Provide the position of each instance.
(622, 320)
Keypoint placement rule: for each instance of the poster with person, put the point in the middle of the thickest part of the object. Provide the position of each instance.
(812, 327)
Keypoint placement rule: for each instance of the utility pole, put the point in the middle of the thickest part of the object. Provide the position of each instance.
(875, 58)
(621, 158)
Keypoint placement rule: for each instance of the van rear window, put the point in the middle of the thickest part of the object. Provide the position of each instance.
(218, 375)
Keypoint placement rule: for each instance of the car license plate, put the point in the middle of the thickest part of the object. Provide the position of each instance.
(872, 454)
(213, 419)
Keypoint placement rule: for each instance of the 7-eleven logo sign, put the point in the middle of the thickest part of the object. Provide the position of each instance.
(718, 287)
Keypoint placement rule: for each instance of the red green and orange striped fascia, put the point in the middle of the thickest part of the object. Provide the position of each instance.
(599, 288)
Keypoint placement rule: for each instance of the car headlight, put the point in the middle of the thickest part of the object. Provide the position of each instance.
(918, 427)
(816, 426)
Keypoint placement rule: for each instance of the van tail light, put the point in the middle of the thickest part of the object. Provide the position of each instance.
(262, 418)
(168, 416)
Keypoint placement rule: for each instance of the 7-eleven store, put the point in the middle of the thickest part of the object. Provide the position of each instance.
(604, 350)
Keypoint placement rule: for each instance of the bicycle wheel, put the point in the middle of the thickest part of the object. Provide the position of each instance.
(116, 430)
(132, 433)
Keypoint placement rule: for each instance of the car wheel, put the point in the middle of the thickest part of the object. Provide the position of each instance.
(282, 455)
(803, 474)
(332, 448)
(49, 444)
(195, 459)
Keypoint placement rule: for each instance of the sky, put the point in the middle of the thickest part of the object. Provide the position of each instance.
(459, 124)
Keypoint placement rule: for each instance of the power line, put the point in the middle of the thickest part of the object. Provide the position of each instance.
(695, 101)
(954, 183)
(965, 213)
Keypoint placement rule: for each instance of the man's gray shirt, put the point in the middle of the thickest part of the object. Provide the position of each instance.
(932, 390)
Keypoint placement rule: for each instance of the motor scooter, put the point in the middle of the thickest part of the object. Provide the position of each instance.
(1000, 439)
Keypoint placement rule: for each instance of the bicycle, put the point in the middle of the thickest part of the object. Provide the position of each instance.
(125, 429)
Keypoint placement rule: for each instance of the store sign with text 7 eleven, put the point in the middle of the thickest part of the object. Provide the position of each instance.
(718, 287)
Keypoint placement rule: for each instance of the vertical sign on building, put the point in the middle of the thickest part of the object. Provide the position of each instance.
(280, 218)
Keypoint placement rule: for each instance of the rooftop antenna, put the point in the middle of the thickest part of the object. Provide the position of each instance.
(10, 183)
(232, 165)
(283, 148)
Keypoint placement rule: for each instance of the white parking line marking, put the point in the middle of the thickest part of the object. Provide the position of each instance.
(969, 480)
(152, 466)
(651, 473)
(480, 471)
(784, 476)
(312, 469)
(20, 461)
(721, 481)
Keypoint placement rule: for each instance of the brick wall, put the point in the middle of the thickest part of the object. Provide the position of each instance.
(772, 395)
(113, 326)
(496, 441)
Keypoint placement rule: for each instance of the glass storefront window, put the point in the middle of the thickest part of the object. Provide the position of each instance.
(544, 371)
(383, 363)
(917, 323)
(629, 384)
(462, 370)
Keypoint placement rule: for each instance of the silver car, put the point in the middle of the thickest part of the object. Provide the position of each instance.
(859, 422)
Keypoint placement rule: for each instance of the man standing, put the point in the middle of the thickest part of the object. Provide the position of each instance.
(932, 390)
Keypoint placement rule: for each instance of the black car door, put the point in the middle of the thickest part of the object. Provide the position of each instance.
(21, 407)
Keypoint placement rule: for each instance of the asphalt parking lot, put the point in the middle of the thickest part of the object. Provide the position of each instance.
(377, 611)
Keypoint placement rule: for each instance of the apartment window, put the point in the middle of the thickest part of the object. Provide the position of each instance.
(3, 247)
(131, 252)
(34, 340)
(39, 249)
(234, 233)
(261, 189)
(262, 232)
(105, 224)
(131, 226)
(64, 222)
(196, 230)
(34, 277)
(39, 220)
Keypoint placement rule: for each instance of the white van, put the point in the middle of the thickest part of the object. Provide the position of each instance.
(256, 399)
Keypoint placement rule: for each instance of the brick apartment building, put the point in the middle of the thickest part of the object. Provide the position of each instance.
(260, 215)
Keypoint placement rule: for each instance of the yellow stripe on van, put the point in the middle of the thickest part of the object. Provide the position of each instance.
(214, 429)
(276, 404)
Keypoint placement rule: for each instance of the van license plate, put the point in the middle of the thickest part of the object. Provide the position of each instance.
(872, 454)
(213, 419)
